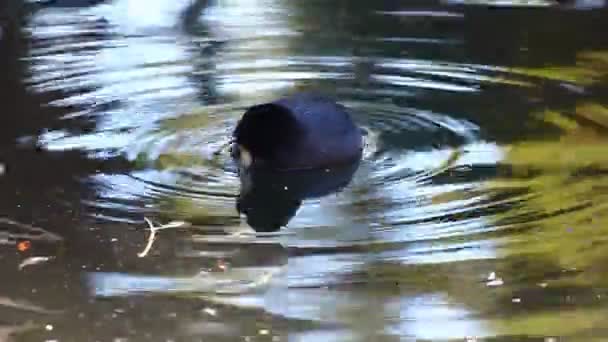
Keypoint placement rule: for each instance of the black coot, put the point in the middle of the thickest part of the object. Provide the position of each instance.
(302, 131)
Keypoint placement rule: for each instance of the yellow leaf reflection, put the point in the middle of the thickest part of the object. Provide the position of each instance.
(589, 68)
(567, 182)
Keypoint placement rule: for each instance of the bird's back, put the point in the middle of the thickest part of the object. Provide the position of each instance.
(331, 135)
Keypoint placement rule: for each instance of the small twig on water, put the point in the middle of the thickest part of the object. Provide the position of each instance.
(150, 239)
(153, 230)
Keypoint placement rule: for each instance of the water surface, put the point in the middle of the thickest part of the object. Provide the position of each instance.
(477, 211)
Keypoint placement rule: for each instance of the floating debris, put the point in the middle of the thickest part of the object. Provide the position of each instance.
(154, 229)
(497, 282)
(24, 246)
(493, 280)
(34, 261)
(210, 311)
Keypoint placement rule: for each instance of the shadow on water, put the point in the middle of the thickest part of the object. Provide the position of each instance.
(477, 207)
(270, 199)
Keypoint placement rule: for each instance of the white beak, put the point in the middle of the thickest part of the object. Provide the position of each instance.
(245, 158)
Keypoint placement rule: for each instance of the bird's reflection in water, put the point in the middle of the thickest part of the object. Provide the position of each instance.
(270, 198)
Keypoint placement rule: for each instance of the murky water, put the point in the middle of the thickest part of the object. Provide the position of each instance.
(478, 210)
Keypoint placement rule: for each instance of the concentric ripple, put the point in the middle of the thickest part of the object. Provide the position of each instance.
(468, 147)
(167, 102)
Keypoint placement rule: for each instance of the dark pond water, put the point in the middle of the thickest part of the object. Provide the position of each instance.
(477, 213)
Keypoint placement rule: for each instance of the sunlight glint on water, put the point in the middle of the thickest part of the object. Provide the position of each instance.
(484, 128)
